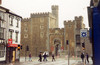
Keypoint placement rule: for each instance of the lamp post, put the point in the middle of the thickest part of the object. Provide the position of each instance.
(67, 42)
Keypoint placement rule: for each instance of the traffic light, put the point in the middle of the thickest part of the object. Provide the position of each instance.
(18, 47)
(27, 48)
(83, 46)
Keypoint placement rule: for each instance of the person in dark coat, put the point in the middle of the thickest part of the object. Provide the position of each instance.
(53, 57)
(30, 59)
(40, 57)
(45, 57)
(87, 57)
(82, 57)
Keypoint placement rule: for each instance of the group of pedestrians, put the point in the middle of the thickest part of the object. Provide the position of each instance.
(45, 57)
(85, 58)
(40, 57)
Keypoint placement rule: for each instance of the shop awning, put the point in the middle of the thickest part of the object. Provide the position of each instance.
(12, 45)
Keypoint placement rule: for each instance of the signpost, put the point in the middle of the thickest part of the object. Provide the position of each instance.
(67, 42)
(83, 34)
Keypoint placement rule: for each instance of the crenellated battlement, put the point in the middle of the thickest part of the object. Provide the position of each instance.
(40, 14)
(54, 7)
(78, 18)
(25, 19)
(56, 30)
(69, 22)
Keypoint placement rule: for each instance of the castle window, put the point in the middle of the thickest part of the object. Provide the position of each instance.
(26, 29)
(41, 27)
(26, 36)
(41, 20)
(78, 38)
(41, 34)
(25, 24)
(69, 25)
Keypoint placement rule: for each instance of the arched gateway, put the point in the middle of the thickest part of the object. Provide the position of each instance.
(57, 46)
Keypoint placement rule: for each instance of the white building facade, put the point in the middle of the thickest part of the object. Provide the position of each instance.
(14, 31)
(10, 30)
(3, 33)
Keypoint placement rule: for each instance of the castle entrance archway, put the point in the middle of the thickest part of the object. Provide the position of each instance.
(57, 45)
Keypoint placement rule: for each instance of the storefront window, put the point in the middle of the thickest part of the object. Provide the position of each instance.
(1, 33)
(2, 51)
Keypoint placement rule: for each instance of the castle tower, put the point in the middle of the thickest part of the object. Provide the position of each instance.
(55, 13)
(79, 22)
(69, 34)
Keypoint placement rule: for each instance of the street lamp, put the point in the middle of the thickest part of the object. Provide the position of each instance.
(67, 42)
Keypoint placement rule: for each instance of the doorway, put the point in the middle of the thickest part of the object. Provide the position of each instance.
(57, 45)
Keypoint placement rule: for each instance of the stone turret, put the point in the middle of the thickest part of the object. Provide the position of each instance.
(55, 13)
(79, 22)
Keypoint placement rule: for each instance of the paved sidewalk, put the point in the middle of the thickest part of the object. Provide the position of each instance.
(79, 62)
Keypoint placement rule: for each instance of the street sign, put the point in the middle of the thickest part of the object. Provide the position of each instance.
(9, 41)
(83, 33)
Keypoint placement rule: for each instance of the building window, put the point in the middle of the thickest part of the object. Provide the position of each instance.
(16, 36)
(2, 15)
(26, 36)
(25, 29)
(11, 20)
(17, 23)
(1, 33)
(41, 27)
(77, 44)
(2, 51)
(41, 34)
(78, 38)
(41, 20)
(10, 34)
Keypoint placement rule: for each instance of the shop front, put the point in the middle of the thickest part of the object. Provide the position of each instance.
(2, 51)
(12, 52)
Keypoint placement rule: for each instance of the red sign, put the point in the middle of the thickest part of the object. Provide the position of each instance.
(12, 45)
(9, 41)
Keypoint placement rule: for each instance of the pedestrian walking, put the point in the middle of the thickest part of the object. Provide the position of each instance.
(30, 59)
(40, 57)
(87, 57)
(82, 57)
(53, 57)
(45, 57)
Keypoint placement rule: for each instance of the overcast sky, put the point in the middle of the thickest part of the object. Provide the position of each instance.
(68, 9)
